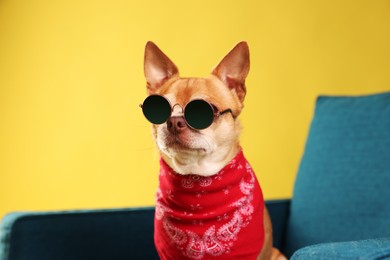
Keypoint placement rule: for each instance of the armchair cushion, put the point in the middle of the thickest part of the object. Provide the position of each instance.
(362, 249)
(342, 188)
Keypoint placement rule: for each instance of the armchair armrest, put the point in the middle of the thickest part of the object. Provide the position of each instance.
(362, 249)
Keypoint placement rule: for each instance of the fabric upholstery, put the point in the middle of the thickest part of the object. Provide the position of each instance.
(361, 249)
(342, 189)
(95, 234)
(278, 211)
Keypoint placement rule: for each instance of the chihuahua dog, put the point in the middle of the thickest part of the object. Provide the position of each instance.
(209, 204)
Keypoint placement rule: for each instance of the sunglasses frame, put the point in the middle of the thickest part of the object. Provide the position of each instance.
(215, 110)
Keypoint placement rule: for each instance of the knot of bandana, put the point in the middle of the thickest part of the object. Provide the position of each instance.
(219, 216)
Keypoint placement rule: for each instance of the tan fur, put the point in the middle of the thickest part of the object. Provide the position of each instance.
(203, 152)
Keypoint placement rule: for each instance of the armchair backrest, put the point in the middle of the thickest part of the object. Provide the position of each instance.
(342, 190)
(91, 234)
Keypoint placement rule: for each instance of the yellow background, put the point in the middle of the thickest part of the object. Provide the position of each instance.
(71, 78)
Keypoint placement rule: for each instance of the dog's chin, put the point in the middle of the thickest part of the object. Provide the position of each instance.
(174, 145)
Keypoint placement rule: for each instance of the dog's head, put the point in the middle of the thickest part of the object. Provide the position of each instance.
(186, 149)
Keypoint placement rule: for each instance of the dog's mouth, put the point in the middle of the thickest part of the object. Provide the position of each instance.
(176, 142)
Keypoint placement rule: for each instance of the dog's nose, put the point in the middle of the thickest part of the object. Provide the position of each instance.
(176, 124)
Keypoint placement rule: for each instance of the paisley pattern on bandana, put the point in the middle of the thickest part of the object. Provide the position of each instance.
(216, 217)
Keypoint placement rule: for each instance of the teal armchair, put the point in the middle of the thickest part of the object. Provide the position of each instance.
(340, 208)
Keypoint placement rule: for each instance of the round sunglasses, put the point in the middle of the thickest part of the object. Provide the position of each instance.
(198, 113)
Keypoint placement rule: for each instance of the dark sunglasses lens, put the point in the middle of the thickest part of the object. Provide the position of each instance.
(156, 109)
(199, 114)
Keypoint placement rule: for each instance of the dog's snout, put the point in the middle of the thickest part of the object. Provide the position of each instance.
(176, 124)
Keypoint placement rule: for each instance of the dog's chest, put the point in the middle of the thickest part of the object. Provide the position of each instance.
(209, 217)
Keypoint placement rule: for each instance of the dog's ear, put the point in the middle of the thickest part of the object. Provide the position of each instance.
(158, 68)
(234, 68)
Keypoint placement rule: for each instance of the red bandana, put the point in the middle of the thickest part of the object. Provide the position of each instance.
(220, 216)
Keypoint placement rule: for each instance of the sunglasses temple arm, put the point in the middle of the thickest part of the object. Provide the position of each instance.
(224, 112)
